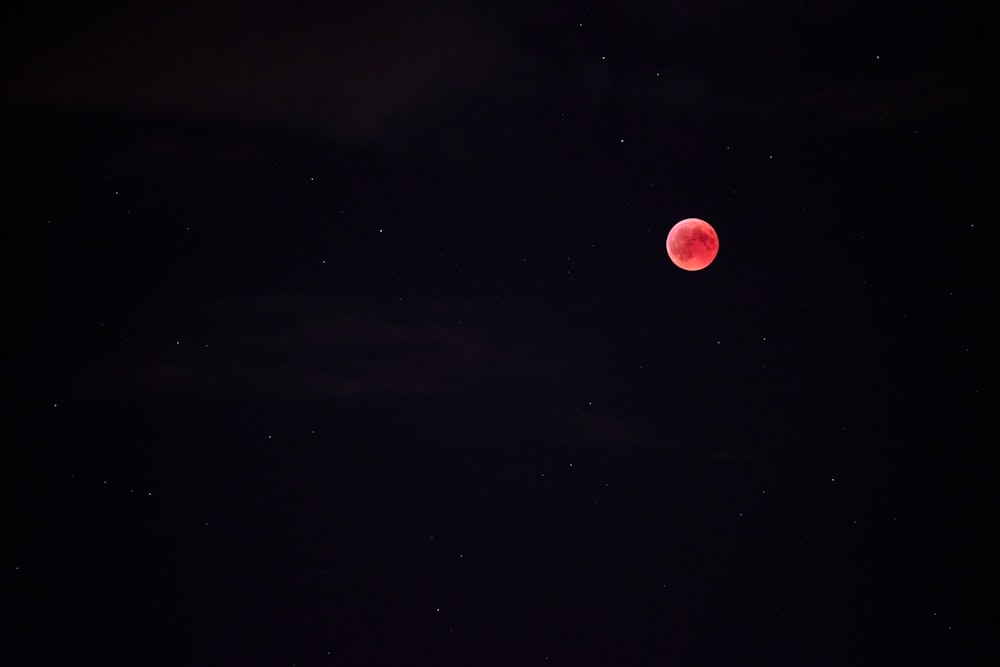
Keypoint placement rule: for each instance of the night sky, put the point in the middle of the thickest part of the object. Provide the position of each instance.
(347, 335)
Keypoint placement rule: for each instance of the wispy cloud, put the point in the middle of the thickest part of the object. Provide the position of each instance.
(341, 71)
(317, 351)
(302, 347)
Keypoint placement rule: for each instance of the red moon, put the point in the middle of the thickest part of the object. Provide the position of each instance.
(692, 244)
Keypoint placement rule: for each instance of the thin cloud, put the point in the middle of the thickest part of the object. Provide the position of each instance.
(340, 72)
(316, 351)
(303, 348)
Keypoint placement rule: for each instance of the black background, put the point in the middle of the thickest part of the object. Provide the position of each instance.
(346, 335)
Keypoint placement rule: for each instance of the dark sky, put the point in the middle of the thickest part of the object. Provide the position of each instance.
(347, 335)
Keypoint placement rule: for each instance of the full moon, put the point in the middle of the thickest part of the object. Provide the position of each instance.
(692, 244)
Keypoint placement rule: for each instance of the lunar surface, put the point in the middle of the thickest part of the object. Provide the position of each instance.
(692, 244)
